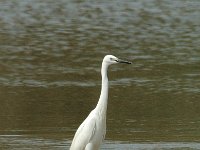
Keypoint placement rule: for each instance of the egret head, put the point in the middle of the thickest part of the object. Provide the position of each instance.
(110, 59)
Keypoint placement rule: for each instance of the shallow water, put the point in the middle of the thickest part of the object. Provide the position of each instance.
(50, 59)
(15, 142)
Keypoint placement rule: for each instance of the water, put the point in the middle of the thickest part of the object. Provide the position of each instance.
(50, 59)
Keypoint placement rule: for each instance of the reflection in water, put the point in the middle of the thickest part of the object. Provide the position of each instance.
(50, 59)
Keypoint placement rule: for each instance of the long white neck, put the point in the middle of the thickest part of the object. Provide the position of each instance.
(103, 99)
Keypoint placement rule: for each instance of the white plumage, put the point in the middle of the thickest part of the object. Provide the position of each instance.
(91, 132)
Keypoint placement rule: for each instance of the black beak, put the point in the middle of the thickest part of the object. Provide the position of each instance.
(123, 61)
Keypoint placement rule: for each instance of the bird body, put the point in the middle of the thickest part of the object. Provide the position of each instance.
(91, 132)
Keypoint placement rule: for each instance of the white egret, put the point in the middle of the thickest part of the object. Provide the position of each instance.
(91, 132)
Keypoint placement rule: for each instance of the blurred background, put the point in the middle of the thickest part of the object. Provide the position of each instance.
(50, 59)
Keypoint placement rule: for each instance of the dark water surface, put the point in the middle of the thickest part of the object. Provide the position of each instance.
(50, 59)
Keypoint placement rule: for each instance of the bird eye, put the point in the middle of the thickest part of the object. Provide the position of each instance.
(111, 59)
